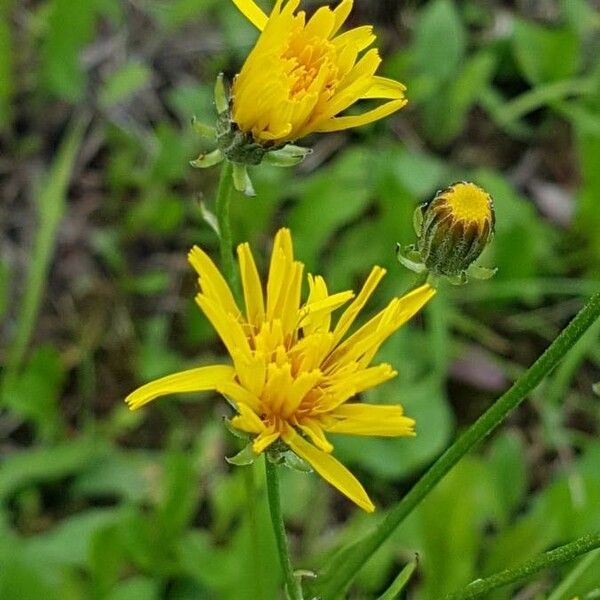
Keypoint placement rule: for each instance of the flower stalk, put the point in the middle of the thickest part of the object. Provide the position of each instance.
(224, 222)
(292, 584)
(347, 563)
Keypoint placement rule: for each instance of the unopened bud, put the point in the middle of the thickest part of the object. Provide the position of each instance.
(453, 229)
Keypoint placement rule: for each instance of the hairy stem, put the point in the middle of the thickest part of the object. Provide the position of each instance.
(223, 219)
(559, 555)
(292, 584)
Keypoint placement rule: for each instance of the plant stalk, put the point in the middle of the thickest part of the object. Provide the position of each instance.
(292, 584)
(224, 192)
(346, 564)
(559, 555)
(223, 219)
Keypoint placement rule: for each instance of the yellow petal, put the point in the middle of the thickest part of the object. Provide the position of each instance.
(411, 303)
(253, 294)
(312, 428)
(264, 439)
(350, 314)
(339, 123)
(371, 419)
(247, 420)
(330, 469)
(343, 385)
(382, 87)
(229, 329)
(212, 283)
(239, 395)
(201, 379)
(341, 13)
(321, 23)
(252, 12)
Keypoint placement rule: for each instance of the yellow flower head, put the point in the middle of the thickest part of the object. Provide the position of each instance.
(302, 74)
(294, 372)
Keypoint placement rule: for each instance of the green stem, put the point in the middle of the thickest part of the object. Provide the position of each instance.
(558, 556)
(228, 267)
(292, 584)
(400, 582)
(543, 95)
(348, 562)
(225, 236)
(567, 585)
(51, 206)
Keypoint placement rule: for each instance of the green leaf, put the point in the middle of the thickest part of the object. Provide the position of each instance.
(70, 542)
(440, 41)
(34, 393)
(123, 83)
(243, 458)
(70, 27)
(446, 114)
(509, 472)
(41, 464)
(339, 193)
(136, 588)
(545, 54)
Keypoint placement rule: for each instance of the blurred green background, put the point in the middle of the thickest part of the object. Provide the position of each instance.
(98, 207)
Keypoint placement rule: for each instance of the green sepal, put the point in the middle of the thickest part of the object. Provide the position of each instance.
(207, 160)
(221, 96)
(242, 435)
(246, 456)
(596, 388)
(294, 462)
(410, 258)
(241, 180)
(418, 219)
(203, 129)
(459, 279)
(210, 218)
(288, 156)
(483, 273)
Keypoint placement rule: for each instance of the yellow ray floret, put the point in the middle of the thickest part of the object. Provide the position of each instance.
(302, 74)
(295, 369)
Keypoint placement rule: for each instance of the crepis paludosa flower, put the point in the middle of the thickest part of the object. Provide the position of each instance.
(293, 373)
(299, 78)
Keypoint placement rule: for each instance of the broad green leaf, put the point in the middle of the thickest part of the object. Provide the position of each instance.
(136, 588)
(52, 463)
(329, 199)
(440, 41)
(545, 54)
(70, 27)
(521, 240)
(34, 393)
(446, 114)
(69, 543)
(509, 472)
(126, 81)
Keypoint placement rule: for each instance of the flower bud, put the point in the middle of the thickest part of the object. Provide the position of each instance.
(453, 229)
(456, 226)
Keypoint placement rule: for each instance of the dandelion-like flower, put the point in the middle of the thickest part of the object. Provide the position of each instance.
(293, 372)
(302, 74)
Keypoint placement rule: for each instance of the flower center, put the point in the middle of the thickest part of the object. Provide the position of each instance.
(468, 202)
(307, 61)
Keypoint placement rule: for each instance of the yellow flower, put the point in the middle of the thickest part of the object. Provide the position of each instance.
(302, 74)
(293, 372)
